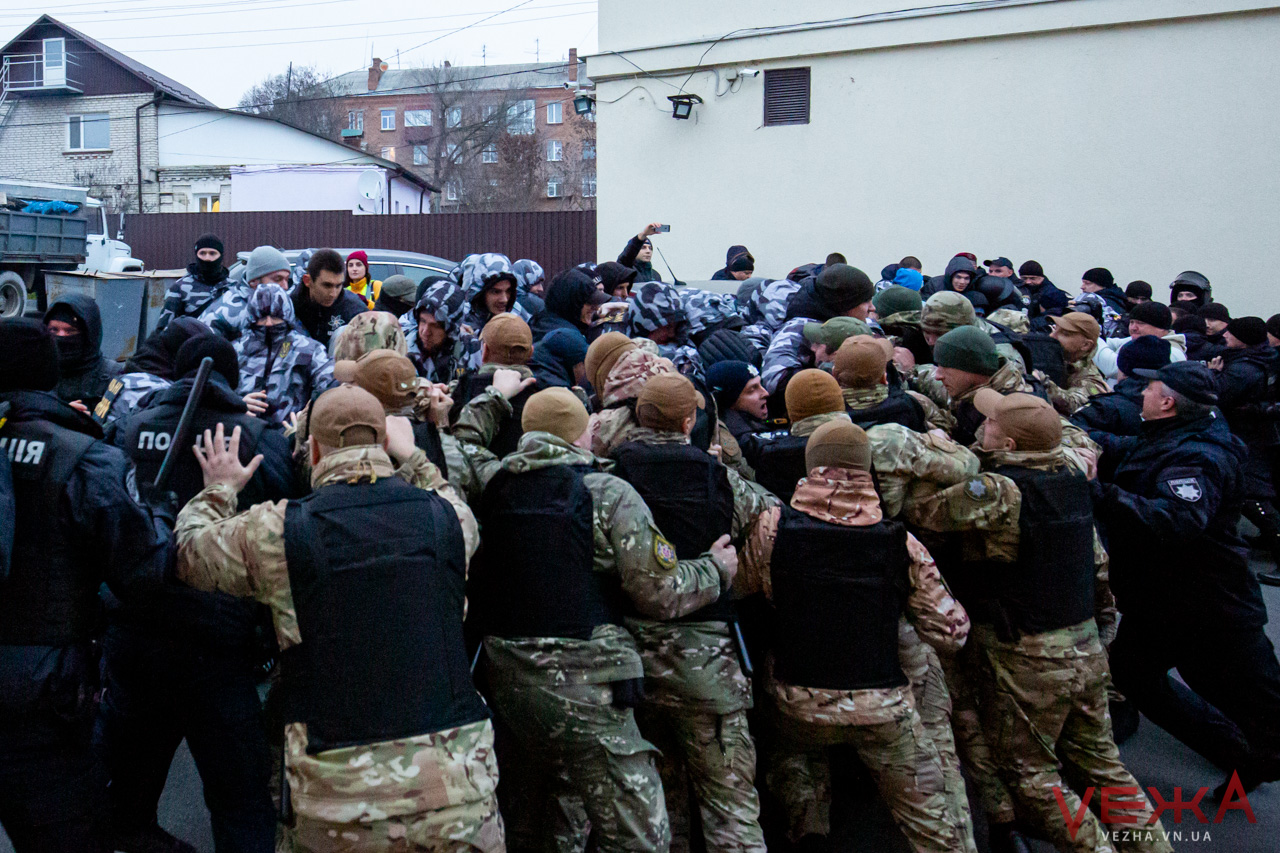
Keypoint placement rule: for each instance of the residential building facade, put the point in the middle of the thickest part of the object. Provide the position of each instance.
(496, 137)
(1132, 134)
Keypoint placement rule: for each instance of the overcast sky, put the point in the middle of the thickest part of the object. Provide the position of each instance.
(222, 47)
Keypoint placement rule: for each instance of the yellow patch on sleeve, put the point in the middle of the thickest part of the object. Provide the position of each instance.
(664, 552)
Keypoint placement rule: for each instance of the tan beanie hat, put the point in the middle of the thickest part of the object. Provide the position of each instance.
(557, 411)
(508, 339)
(861, 360)
(813, 392)
(838, 444)
(665, 401)
(603, 354)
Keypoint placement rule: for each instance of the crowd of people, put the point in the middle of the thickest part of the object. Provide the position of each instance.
(604, 562)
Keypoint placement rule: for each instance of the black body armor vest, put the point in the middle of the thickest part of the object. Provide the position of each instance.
(538, 575)
(898, 408)
(689, 494)
(378, 575)
(781, 465)
(1051, 585)
(472, 385)
(839, 592)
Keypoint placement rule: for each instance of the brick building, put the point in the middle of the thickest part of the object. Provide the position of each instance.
(495, 137)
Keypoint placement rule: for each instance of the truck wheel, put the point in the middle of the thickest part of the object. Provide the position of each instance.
(13, 295)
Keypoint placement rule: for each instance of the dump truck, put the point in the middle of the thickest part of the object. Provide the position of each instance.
(56, 228)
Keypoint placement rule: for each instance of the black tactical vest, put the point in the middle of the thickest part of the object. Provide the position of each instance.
(898, 408)
(51, 595)
(539, 577)
(1051, 585)
(472, 385)
(838, 592)
(781, 465)
(427, 439)
(688, 492)
(378, 576)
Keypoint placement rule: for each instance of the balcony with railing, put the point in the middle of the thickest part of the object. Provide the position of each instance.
(40, 73)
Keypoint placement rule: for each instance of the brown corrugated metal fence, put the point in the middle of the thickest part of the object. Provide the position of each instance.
(556, 240)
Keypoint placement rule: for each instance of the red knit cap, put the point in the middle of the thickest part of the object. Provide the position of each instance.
(360, 256)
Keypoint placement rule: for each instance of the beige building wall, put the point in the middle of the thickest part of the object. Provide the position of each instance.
(1140, 135)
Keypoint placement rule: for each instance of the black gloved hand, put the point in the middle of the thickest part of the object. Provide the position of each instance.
(164, 503)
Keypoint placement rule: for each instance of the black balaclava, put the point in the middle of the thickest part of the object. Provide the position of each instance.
(73, 350)
(210, 269)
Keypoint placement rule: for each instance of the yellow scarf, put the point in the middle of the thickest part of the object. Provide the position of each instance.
(363, 286)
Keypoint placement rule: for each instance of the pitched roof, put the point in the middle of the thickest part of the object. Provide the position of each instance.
(154, 78)
(410, 81)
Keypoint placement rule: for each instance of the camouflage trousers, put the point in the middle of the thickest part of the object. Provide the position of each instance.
(1046, 716)
(898, 754)
(933, 702)
(970, 739)
(456, 829)
(719, 757)
(588, 750)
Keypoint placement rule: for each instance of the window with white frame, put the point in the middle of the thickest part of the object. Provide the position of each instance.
(389, 152)
(453, 118)
(588, 149)
(451, 191)
(553, 188)
(388, 119)
(588, 186)
(355, 120)
(555, 150)
(417, 118)
(453, 153)
(421, 156)
(555, 113)
(489, 154)
(204, 203)
(487, 111)
(89, 132)
(520, 118)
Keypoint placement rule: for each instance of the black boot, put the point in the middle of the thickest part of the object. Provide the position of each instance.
(1005, 838)
(1124, 719)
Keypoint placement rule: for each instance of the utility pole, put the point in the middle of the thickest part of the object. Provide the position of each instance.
(288, 83)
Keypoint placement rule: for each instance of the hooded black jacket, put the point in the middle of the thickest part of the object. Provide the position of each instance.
(85, 371)
(1246, 385)
(1169, 515)
(564, 300)
(808, 303)
(320, 323)
(734, 252)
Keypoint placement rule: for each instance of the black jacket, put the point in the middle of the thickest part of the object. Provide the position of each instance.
(807, 302)
(644, 269)
(1047, 300)
(1201, 348)
(85, 372)
(115, 539)
(1117, 413)
(1246, 386)
(320, 323)
(1115, 297)
(1169, 517)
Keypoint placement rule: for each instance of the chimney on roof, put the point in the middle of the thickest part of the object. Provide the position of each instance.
(448, 64)
(573, 65)
(375, 73)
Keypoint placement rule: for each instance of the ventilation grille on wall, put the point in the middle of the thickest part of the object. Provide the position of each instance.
(786, 96)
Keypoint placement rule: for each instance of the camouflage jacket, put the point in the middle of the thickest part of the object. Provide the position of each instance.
(126, 392)
(766, 311)
(694, 665)
(986, 509)
(847, 497)
(1084, 380)
(189, 296)
(865, 398)
(611, 427)
(371, 330)
(287, 364)
(731, 452)
(244, 555)
(788, 351)
(228, 315)
(910, 465)
(628, 546)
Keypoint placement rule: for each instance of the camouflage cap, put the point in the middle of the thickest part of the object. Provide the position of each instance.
(947, 310)
(388, 376)
(1031, 422)
(655, 305)
(347, 416)
(366, 332)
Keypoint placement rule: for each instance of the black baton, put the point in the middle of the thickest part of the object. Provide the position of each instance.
(180, 435)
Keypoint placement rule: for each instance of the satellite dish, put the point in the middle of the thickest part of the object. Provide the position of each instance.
(369, 185)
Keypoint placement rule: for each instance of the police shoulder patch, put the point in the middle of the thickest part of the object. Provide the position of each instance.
(977, 489)
(1185, 488)
(664, 552)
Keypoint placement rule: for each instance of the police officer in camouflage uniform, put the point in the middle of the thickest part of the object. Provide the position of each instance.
(568, 548)
(384, 757)
(835, 674)
(1033, 578)
(228, 315)
(204, 282)
(280, 367)
(695, 691)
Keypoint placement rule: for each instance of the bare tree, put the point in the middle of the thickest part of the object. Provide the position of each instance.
(300, 97)
(109, 185)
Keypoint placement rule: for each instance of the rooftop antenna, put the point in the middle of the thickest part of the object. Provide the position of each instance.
(537, 55)
(397, 59)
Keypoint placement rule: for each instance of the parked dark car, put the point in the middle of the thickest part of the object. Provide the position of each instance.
(383, 263)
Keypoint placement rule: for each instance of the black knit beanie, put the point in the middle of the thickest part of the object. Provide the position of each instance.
(216, 347)
(1153, 314)
(1249, 331)
(1100, 276)
(843, 287)
(28, 356)
(210, 241)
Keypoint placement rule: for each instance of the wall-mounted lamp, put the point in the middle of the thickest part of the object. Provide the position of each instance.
(682, 105)
(583, 103)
